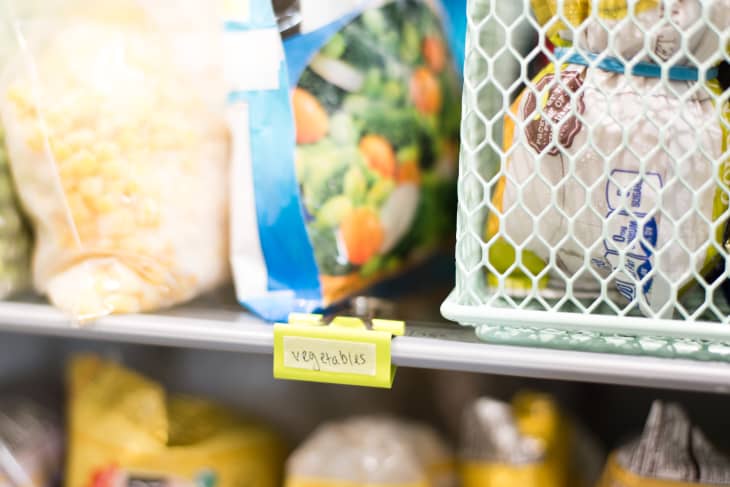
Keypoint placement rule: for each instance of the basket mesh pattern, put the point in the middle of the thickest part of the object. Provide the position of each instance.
(593, 186)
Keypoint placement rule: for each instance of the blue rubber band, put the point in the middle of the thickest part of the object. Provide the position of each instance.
(646, 70)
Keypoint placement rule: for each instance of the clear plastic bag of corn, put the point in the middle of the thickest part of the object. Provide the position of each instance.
(115, 128)
(14, 233)
(594, 175)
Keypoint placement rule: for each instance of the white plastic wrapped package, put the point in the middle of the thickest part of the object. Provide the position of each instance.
(614, 176)
(371, 451)
(117, 142)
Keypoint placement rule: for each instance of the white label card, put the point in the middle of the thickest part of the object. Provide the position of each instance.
(329, 355)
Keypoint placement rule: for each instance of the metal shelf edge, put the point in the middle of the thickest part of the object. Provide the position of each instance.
(242, 332)
(563, 364)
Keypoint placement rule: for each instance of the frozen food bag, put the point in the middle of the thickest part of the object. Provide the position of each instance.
(371, 451)
(526, 443)
(30, 444)
(126, 431)
(671, 452)
(14, 233)
(114, 114)
(344, 147)
(614, 178)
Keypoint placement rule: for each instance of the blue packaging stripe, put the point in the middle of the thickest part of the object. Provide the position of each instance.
(284, 240)
(647, 70)
(293, 276)
(456, 27)
(261, 16)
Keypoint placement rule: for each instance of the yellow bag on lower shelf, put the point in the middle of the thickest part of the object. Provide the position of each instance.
(125, 431)
(529, 442)
(672, 451)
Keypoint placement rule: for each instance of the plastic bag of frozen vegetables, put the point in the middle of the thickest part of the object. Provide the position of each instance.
(14, 235)
(114, 113)
(344, 147)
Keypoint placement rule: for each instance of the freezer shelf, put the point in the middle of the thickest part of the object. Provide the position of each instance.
(426, 345)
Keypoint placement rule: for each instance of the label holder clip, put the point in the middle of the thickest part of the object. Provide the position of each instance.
(345, 351)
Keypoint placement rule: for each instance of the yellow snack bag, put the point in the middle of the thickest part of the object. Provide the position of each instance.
(575, 12)
(525, 443)
(125, 431)
(671, 452)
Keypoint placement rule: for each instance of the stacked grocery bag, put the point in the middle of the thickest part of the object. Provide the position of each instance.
(311, 144)
(123, 429)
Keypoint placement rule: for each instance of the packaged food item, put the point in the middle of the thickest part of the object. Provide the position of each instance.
(524, 444)
(124, 430)
(371, 451)
(115, 128)
(14, 233)
(30, 445)
(671, 451)
(344, 148)
(614, 178)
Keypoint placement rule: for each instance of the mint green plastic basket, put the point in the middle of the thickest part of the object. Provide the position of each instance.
(504, 43)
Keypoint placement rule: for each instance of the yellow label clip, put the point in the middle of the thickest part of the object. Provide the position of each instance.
(345, 351)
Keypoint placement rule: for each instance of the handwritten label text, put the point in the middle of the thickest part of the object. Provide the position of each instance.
(329, 355)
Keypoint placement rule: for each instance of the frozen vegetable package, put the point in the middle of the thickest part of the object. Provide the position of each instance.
(114, 114)
(14, 233)
(371, 452)
(526, 443)
(344, 147)
(126, 431)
